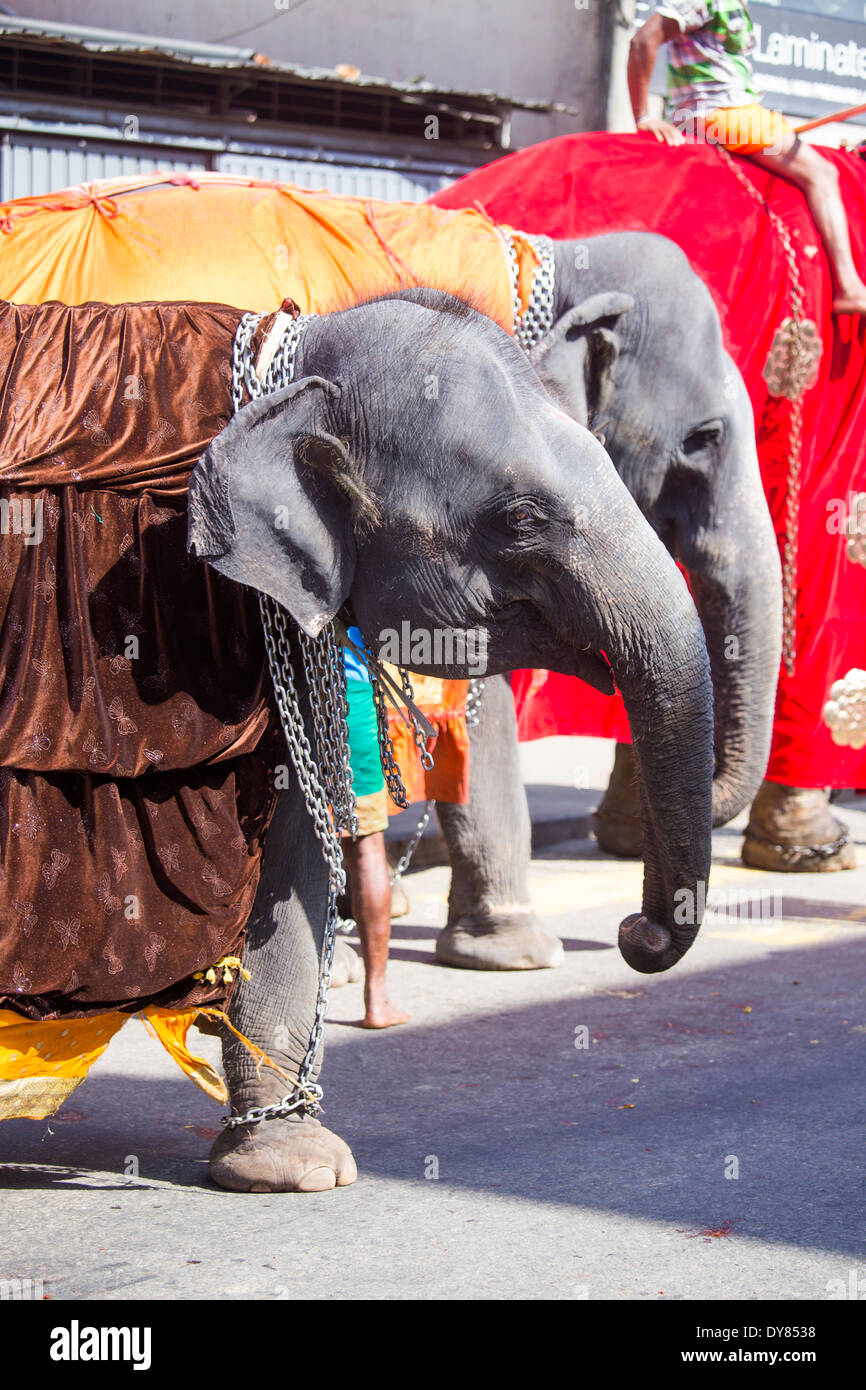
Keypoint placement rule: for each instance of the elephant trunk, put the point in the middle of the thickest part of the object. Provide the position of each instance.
(651, 634)
(736, 581)
(669, 709)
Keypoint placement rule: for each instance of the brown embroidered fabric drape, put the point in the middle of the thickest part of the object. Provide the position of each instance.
(135, 717)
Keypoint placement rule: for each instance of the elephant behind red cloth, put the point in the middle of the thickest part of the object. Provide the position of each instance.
(583, 185)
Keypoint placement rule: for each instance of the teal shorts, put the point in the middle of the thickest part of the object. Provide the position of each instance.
(363, 739)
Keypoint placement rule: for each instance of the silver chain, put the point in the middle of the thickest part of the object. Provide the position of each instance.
(326, 684)
(393, 779)
(406, 858)
(325, 779)
(531, 327)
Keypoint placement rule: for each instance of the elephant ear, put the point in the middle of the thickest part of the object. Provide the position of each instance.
(577, 357)
(271, 503)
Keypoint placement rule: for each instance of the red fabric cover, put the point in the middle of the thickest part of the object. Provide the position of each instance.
(581, 185)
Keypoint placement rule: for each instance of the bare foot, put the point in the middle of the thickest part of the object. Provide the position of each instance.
(851, 303)
(381, 1013)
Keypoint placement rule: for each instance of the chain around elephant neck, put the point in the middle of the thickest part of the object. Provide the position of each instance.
(530, 327)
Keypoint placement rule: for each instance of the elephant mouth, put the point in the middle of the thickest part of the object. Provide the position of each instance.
(594, 668)
(590, 666)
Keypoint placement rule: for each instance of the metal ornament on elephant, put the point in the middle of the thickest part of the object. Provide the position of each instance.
(845, 711)
(794, 358)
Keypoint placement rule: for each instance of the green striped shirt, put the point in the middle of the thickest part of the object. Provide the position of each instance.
(707, 61)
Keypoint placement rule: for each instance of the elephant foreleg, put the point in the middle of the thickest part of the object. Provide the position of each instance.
(491, 922)
(617, 822)
(275, 1009)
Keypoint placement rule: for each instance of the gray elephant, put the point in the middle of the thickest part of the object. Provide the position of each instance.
(635, 351)
(483, 507)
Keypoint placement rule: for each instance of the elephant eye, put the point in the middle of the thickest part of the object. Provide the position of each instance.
(523, 515)
(708, 436)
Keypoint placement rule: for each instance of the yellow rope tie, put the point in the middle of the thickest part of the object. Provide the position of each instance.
(226, 964)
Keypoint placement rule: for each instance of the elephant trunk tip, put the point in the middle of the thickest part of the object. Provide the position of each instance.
(731, 795)
(647, 946)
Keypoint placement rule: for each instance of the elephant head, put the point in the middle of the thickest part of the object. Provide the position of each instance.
(418, 472)
(636, 353)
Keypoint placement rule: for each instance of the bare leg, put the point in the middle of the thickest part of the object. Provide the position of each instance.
(819, 181)
(367, 868)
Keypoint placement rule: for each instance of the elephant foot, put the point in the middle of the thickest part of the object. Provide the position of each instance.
(618, 834)
(509, 946)
(293, 1155)
(792, 831)
(616, 821)
(347, 968)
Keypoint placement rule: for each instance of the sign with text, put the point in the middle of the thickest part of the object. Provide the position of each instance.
(808, 64)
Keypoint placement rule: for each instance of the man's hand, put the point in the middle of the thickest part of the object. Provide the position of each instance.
(662, 130)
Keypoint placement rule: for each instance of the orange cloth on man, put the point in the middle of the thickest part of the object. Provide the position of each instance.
(745, 129)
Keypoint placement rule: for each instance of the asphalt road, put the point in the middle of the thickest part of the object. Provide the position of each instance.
(707, 1142)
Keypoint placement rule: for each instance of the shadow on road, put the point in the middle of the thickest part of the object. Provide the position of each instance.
(760, 1062)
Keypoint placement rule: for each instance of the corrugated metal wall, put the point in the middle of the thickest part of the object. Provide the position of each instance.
(354, 181)
(31, 163)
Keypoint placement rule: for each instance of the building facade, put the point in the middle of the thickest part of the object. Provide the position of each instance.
(380, 99)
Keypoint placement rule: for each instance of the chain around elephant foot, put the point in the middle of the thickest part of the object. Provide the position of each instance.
(278, 1153)
(270, 1142)
(513, 942)
(791, 830)
(293, 1154)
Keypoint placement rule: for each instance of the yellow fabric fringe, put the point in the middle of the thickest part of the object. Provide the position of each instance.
(42, 1062)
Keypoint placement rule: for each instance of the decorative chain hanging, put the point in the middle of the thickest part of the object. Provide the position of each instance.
(393, 780)
(791, 368)
(406, 857)
(325, 777)
(531, 327)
